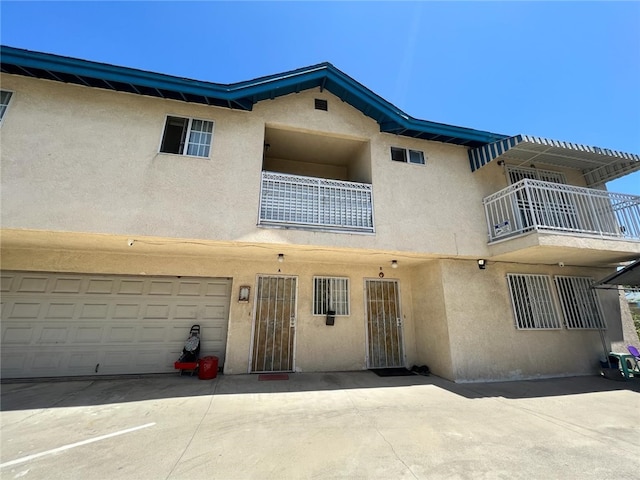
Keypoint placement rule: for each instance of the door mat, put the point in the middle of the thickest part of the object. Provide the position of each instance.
(392, 372)
(273, 376)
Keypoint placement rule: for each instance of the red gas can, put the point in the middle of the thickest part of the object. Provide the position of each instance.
(208, 368)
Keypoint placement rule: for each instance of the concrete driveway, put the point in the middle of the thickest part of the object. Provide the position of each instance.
(334, 425)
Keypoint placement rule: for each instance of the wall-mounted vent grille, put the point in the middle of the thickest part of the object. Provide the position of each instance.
(322, 104)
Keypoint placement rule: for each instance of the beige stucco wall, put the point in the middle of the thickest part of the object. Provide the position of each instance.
(430, 316)
(487, 346)
(318, 347)
(78, 159)
(83, 159)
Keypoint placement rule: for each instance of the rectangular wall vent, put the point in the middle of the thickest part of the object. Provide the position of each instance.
(322, 104)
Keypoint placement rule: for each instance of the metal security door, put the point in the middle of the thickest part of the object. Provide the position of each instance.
(274, 325)
(384, 324)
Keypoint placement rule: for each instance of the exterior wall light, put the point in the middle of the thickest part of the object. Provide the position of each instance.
(281, 257)
(394, 264)
(482, 264)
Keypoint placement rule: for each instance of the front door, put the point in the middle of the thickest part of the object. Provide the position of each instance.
(274, 324)
(384, 324)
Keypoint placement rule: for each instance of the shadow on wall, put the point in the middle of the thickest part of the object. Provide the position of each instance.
(63, 393)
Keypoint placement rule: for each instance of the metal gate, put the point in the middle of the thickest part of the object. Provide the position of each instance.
(384, 324)
(274, 325)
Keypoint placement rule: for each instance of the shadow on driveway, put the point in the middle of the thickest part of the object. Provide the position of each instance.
(61, 393)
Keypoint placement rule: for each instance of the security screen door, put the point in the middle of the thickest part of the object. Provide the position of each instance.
(274, 325)
(384, 324)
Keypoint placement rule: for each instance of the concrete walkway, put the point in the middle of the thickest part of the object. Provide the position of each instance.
(336, 425)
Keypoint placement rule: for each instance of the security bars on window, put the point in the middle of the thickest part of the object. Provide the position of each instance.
(330, 293)
(579, 302)
(187, 136)
(532, 302)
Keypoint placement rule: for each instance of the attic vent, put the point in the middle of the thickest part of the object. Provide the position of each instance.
(321, 104)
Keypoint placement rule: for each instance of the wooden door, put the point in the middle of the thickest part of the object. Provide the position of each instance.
(385, 341)
(274, 324)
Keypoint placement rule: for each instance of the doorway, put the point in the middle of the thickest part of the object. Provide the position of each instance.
(274, 324)
(385, 338)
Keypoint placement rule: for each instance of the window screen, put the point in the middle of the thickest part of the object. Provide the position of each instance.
(330, 293)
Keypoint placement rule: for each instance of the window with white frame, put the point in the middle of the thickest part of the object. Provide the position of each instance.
(407, 156)
(187, 136)
(579, 302)
(5, 97)
(532, 302)
(330, 294)
(519, 173)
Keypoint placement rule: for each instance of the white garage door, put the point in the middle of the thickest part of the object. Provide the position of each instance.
(66, 324)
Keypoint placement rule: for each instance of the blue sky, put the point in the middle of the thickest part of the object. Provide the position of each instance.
(567, 71)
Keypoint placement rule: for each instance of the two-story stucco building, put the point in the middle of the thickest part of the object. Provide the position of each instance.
(303, 221)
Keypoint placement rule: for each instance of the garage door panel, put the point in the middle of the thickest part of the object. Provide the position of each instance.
(69, 324)
(155, 334)
(131, 310)
(53, 334)
(60, 310)
(17, 335)
(30, 284)
(186, 311)
(94, 310)
(156, 311)
(217, 289)
(48, 361)
(67, 285)
(100, 287)
(83, 363)
(121, 334)
(130, 287)
(6, 283)
(88, 334)
(161, 288)
(21, 310)
(186, 289)
(13, 360)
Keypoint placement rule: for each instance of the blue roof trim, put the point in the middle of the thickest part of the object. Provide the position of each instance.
(241, 95)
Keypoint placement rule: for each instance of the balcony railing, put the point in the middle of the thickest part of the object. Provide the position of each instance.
(532, 205)
(317, 203)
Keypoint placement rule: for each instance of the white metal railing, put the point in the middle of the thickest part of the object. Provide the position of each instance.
(310, 202)
(535, 205)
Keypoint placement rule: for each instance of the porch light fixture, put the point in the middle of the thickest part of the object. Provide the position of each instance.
(280, 257)
(482, 264)
(394, 264)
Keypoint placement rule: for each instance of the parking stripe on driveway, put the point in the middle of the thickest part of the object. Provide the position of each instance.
(73, 445)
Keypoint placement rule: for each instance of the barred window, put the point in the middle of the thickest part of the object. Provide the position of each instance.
(5, 97)
(532, 303)
(330, 294)
(187, 136)
(579, 302)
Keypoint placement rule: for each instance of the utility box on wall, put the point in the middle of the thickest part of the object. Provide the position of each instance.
(331, 317)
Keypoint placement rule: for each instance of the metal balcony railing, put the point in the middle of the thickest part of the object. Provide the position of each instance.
(318, 203)
(532, 205)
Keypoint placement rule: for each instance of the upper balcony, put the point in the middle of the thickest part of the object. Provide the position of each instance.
(295, 201)
(533, 206)
(315, 181)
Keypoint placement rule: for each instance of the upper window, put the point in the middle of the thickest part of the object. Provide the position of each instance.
(579, 303)
(407, 156)
(5, 97)
(532, 302)
(519, 173)
(330, 294)
(187, 136)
